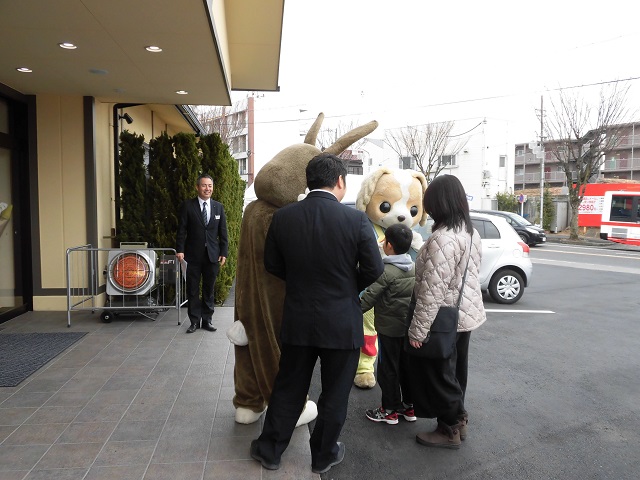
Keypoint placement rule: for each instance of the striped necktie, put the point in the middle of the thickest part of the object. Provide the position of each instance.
(204, 213)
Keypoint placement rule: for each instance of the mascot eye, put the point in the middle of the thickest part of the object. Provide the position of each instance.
(385, 207)
(414, 211)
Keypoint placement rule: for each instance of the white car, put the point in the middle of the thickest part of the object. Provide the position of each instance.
(506, 268)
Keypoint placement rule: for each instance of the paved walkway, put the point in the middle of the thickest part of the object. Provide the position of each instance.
(133, 399)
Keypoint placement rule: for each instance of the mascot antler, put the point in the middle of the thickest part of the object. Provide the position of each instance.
(351, 137)
(312, 134)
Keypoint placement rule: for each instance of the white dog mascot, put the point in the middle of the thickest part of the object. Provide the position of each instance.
(388, 196)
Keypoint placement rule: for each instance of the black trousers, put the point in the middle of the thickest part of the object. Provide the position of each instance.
(289, 394)
(393, 372)
(207, 271)
(439, 386)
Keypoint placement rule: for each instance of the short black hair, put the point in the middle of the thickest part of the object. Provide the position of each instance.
(446, 202)
(204, 175)
(400, 237)
(324, 170)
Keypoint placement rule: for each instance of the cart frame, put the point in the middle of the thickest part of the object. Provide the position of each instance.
(83, 283)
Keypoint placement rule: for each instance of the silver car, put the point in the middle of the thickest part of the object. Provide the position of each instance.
(506, 268)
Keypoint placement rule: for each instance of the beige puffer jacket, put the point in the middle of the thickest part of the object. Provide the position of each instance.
(439, 268)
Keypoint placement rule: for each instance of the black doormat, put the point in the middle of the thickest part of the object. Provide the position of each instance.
(21, 354)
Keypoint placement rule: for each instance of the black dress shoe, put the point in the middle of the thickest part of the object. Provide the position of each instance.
(192, 328)
(339, 458)
(209, 327)
(256, 456)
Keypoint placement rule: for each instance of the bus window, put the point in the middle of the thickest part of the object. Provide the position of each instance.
(621, 208)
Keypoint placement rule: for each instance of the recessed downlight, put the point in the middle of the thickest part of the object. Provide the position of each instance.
(24, 70)
(182, 92)
(68, 45)
(153, 49)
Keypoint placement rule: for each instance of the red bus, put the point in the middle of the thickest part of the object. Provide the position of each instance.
(621, 217)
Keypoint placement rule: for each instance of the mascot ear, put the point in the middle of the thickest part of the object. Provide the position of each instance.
(368, 187)
(423, 182)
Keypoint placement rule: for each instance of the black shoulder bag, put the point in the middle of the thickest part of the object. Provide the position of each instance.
(441, 339)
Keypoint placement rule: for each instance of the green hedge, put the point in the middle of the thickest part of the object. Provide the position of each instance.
(149, 207)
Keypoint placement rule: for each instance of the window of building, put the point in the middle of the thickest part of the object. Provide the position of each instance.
(519, 152)
(448, 160)
(407, 163)
(503, 161)
(242, 166)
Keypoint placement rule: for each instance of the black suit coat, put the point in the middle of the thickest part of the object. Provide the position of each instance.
(193, 234)
(327, 254)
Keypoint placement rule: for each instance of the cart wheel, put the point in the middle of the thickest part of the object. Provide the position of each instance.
(106, 317)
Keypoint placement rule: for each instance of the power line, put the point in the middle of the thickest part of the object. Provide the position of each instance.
(453, 102)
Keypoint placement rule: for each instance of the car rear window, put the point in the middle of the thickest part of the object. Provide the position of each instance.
(486, 229)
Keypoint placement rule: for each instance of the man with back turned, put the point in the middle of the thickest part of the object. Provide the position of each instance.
(326, 253)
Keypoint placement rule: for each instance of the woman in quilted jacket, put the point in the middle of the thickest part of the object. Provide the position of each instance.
(439, 386)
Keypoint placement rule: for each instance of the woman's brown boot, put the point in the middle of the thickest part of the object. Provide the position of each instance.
(443, 436)
(463, 421)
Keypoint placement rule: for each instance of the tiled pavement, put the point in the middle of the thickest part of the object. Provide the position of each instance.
(133, 399)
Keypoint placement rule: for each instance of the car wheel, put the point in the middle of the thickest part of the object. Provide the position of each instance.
(524, 237)
(506, 287)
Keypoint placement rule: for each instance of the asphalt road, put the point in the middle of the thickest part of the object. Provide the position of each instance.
(554, 389)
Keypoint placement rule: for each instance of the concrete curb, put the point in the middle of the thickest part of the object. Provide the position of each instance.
(590, 242)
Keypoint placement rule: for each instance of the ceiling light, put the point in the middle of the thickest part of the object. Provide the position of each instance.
(68, 46)
(24, 70)
(153, 49)
(182, 92)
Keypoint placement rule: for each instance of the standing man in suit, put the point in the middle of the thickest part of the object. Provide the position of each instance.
(326, 253)
(202, 242)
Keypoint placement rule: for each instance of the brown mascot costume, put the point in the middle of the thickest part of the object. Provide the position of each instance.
(260, 295)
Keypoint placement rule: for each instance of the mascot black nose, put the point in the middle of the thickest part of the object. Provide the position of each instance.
(401, 218)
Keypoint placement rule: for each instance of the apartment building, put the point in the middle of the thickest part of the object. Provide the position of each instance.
(621, 162)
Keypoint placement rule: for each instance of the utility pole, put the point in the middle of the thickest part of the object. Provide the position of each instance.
(541, 160)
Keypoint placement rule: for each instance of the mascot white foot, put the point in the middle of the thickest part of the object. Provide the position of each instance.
(246, 416)
(309, 413)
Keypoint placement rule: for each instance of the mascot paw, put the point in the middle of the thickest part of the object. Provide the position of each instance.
(237, 334)
(246, 416)
(417, 241)
(302, 196)
(365, 380)
(309, 413)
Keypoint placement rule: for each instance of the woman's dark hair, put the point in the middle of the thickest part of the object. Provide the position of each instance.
(324, 170)
(446, 202)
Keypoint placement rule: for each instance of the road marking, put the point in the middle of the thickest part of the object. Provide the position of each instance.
(586, 266)
(626, 255)
(500, 310)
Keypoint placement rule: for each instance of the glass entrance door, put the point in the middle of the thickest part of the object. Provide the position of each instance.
(13, 249)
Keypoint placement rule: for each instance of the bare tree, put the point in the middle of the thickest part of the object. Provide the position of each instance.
(428, 144)
(579, 134)
(228, 122)
(328, 136)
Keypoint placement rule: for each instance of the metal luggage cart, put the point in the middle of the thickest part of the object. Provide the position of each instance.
(134, 280)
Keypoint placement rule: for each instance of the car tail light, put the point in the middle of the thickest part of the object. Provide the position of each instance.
(525, 249)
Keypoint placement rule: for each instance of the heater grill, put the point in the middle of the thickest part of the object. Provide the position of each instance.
(131, 272)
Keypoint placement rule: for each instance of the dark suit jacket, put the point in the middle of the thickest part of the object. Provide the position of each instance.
(193, 234)
(327, 254)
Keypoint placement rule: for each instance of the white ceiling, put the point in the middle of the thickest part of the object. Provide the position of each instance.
(236, 47)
